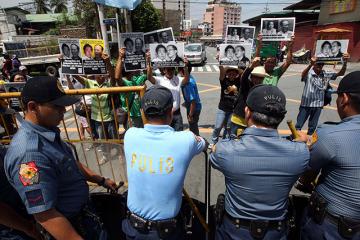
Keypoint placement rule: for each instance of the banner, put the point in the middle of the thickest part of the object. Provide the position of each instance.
(235, 54)
(127, 4)
(239, 34)
(331, 50)
(167, 55)
(277, 29)
(135, 51)
(82, 56)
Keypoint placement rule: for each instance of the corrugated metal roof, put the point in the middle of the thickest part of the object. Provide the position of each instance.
(46, 18)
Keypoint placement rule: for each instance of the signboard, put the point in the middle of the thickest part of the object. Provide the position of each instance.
(235, 54)
(331, 50)
(134, 51)
(167, 55)
(277, 29)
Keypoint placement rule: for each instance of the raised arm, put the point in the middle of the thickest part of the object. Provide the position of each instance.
(307, 69)
(342, 71)
(109, 68)
(149, 69)
(119, 67)
(258, 45)
(289, 56)
(70, 84)
(80, 79)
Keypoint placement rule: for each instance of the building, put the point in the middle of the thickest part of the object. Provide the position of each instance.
(11, 20)
(186, 25)
(220, 13)
(174, 5)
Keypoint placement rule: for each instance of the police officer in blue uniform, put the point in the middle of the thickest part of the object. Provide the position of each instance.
(334, 207)
(43, 170)
(15, 223)
(260, 169)
(157, 159)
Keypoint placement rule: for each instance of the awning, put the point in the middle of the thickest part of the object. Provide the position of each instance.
(334, 30)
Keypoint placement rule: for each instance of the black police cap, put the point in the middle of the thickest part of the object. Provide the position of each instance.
(157, 100)
(46, 89)
(350, 83)
(267, 99)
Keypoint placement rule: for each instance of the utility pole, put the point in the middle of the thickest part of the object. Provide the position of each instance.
(103, 28)
(164, 16)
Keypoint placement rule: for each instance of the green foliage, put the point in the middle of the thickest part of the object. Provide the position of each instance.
(145, 18)
(86, 13)
(60, 6)
(42, 6)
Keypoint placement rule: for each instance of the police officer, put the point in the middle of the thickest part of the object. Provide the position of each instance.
(15, 223)
(334, 208)
(157, 158)
(259, 168)
(43, 170)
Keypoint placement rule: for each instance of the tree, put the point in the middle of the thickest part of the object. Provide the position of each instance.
(42, 6)
(145, 17)
(59, 5)
(86, 13)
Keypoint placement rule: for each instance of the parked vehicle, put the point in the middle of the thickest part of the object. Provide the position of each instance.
(195, 53)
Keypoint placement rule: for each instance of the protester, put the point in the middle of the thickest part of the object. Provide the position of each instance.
(230, 85)
(252, 76)
(191, 101)
(253, 210)
(334, 206)
(312, 100)
(156, 170)
(7, 66)
(128, 79)
(17, 77)
(101, 114)
(173, 83)
(24, 71)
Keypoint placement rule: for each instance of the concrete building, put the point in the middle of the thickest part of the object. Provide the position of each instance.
(174, 5)
(11, 20)
(220, 13)
(187, 24)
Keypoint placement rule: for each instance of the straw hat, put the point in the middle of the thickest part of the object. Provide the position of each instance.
(259, 72)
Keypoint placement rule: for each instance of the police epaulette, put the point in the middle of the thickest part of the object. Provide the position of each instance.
(332, 123)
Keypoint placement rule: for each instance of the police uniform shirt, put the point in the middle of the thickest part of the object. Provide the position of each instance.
(157, 159)
(336, 152)
(44, 172)
(260, 169)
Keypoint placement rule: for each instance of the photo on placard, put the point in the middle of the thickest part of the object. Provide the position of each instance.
(240, 34)
(167, 55)
(331, 50)
(235, 54)
(71, 62)
(166, 35)
(14, 103)
(91, 53)
(134, 50)
(277, 29)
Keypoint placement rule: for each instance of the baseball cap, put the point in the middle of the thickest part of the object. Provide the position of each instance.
(350, 83)
(46, 90)
(157, 100)
(259, 72)
(22, 67)
(262, 99)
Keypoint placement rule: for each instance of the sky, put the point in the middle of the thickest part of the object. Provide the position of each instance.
(250, 8)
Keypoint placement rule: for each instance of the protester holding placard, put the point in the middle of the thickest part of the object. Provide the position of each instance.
(173, 83)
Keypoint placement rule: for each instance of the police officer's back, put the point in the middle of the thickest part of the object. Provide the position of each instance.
(260, 169)
(334, 208)
(157, 158)
(43, 170)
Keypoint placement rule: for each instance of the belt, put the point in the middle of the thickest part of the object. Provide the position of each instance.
(145, 224)
(272, 224)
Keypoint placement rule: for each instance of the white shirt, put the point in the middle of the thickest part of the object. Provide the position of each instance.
(174, 85)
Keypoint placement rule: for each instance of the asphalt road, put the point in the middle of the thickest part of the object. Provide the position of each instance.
(209, 89)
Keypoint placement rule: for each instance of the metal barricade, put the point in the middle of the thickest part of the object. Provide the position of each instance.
(89, 150)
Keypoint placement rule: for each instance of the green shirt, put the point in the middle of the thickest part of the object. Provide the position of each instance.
(133, 98)
(103, 99)
(274, 77)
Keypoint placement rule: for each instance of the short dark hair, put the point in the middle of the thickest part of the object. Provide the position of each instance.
(63, 46)
(337, 43)
(158, 47)
(242, 48)
(102, 48)
(229, 47)
(159, 116)
(86, 46)
(128, 40)
(355, 101)
(267, 120)
(142, 42)
(12, 77)
(73, 44)
(173, 46)
(324, 43)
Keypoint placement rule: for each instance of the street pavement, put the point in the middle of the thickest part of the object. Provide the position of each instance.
(209, 90)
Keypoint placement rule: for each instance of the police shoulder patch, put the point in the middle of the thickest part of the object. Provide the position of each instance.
(29, 173)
